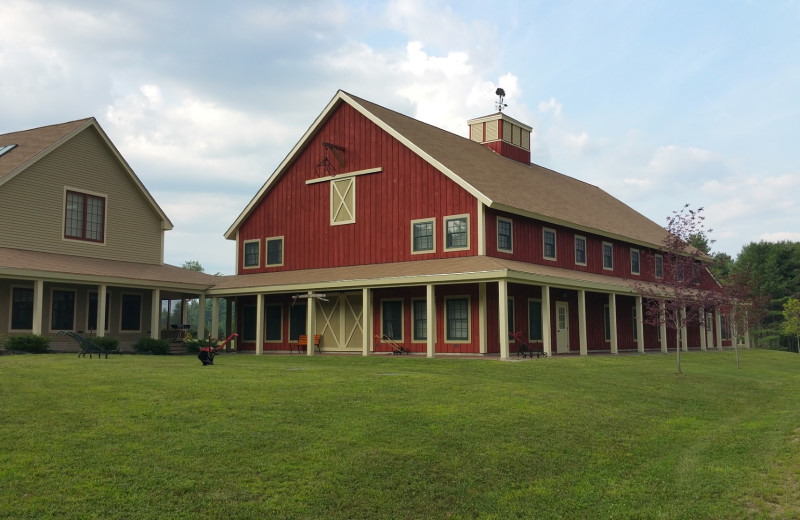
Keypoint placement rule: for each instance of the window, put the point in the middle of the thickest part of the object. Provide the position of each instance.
(456, 231)
(420, 317)
(252, 253)
(535, 320)
(422, 238)
(608, 256)
(634, 261)
(84, 217)
(275, 251)
(131, 312)
(549, 246)
(392, 319)
(273, 320)
(511, 316)
(343, 201)
(248, 323)
(607, 321)
(457, 319)
(659, 271)
(297, 321)
(21, 308)
(63, 310)
(505, 240)
(723, 326)
(91, 321)
(580, 250)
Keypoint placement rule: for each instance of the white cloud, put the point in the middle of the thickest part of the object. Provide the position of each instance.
(550, 105)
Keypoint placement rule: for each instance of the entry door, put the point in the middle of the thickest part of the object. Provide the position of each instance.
(339, 322)
(562, 327)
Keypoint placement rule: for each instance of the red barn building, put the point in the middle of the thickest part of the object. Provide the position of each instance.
(377, 225)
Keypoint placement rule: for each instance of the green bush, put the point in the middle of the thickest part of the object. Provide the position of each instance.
(158, 347)
(28, 343)
(106, 343)
(193, 345)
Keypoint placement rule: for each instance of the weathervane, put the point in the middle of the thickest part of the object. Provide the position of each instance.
(499, 103)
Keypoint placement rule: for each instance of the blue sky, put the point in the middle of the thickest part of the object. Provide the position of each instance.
(659, 103)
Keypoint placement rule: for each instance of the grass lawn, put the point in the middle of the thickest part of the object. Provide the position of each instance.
(390, 437)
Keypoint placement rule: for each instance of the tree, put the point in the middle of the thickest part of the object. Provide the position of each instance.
(791, 319)
(193, 265)
(676, 299)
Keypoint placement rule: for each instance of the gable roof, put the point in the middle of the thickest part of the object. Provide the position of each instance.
(498, 182)
(34, 144)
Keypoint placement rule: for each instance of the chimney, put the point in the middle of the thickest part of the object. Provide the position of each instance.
(504, 135)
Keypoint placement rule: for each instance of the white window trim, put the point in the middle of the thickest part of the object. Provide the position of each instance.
(413, 324)
(64, 237)
(655, 262)
(639, 255)
(469, 320)
(402, 316)
(432, 220)
(603, 254)
(511, 225)
(266, 251)
(74, 307)
(11, 305)
(244, 254)
(280, 307)
(585, 252)
(555, 244)
(444, 232)
(141, 312)
(334, 209)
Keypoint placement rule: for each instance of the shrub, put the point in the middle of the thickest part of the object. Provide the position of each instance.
(28, 343)
(105, 343)
(152, 346)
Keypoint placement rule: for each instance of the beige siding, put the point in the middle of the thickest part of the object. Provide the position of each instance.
(476, 132)
(491, 130)
(32, 212)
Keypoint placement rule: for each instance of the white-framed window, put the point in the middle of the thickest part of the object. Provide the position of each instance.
(549, 244)
(505, 235)
(419, 317)
(580, 250)
(457, 319)
(608, 256)
(635, 261)
(273, 323)
(84, 216)
(130, 319)
(62, 309)
(659, 266)
(274, 251)
(21, 308)
(423, 236)
(251, 252)
(343, 201)
(535, 320)
(456, 232)
(392, 319)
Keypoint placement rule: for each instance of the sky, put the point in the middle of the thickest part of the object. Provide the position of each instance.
(659, 103)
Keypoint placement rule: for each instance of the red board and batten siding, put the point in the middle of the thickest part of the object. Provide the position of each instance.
(407, 189)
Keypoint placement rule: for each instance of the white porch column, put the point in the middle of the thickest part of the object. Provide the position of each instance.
(38, 305)
(259, 324)
(718, 323)
(612, 322)
(502, 317)
(366, 320)
(662, 324)
(639, 325)
(582, 322)
(215, 319)
(684, 332)
(547, 340)
(101, 312)
(703, 338)
(201, 317)
(482, 316)
(311, 323)
(155, 313)
(430, 309)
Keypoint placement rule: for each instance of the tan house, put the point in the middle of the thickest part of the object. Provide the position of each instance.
(82, 240)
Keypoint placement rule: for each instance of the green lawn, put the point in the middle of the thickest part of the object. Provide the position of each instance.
(400, 437)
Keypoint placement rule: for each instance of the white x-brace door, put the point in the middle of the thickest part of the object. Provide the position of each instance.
(340, 322)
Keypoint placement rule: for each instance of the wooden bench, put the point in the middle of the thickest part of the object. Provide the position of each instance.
(302, 343)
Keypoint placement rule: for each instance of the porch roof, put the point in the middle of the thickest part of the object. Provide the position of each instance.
(444, 271)
(24, 264)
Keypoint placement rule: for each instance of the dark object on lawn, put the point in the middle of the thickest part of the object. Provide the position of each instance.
(397, 349)
(207, 354)
(526, 349)
(87, 346)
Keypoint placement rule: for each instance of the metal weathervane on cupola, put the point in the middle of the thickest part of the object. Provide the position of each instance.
(499, 103)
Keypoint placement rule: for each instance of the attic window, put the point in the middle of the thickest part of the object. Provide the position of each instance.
(7, 148)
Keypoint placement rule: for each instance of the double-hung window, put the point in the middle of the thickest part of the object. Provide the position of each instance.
(420, 318)
(659, 266)
(456, 229)
(131, 312)
(608, 256)
(635, 257)
(392, 319)
(422, 236)
(274, 251)
(62, 315)
(84, 216)
(580, 250)
(21, 308)
(505, 240)
(252, 253)
(549, 244)
(535, 320)
(457, 319)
